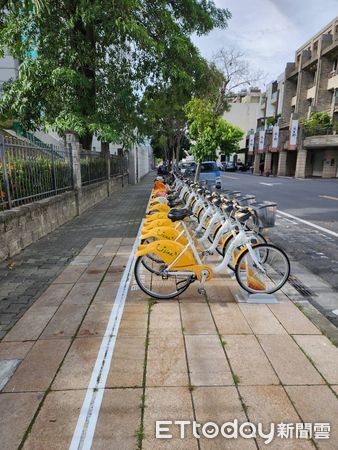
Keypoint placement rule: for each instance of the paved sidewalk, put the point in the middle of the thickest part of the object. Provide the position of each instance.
(193, 358)
(27, 275)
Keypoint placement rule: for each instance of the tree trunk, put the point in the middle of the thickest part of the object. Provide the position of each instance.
(198, 171)
(221, 99)
(105, 148)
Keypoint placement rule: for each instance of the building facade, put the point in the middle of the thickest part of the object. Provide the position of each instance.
(309, 84)
(246, 108)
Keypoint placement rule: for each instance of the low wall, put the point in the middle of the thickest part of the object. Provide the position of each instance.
(21, 226)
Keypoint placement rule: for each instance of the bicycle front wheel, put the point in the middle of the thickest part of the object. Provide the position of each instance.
(264, 271)
(158, 286)
(257, 238)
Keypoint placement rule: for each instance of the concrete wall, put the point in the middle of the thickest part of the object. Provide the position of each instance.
(21, 226)
(140, 162)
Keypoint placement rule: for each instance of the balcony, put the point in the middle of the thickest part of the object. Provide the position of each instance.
(311, 62)
(320, 137)
(333, 82)
(294, 100)
(321, 141)
(332, 48)
(311, 93)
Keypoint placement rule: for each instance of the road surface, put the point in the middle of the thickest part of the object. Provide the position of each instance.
(306, 226)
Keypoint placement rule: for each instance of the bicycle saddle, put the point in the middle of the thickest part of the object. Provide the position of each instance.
(174, 203)
(179, 214)
(216, 201)
(172, 197)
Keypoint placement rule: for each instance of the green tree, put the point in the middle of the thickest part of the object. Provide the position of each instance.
(86, 63)
(210, 132)
(163, 105)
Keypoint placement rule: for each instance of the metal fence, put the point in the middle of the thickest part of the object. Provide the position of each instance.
(93, 167)
(30, 172)
(118, 165)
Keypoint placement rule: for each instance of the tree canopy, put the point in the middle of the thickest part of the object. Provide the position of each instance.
(210, 132)
(163, 105)
(86, 64)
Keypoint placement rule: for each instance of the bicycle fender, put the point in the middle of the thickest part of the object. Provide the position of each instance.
(160, 207)
(244, 249)
(158, 223)
(168, 252)
(161, 233)
(160, 215)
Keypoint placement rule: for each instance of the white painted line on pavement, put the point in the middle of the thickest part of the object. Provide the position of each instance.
(86, 424)
(313, 225)
(231, 178)
(329, 197)
(270, 184)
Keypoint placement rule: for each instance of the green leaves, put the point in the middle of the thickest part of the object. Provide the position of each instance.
(86, 63)
(209, 132)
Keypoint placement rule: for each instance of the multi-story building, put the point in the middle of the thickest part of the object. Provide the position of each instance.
(310, 84)
(246, 108)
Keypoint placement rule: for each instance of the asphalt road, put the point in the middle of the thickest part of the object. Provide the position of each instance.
(315, 201)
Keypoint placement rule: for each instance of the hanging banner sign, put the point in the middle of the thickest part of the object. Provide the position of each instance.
(293, 135)
(261, 140)
(275, 137)
(251, 142)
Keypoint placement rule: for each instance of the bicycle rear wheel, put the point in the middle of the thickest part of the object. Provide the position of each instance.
(158, 286)
(266, 272)
(151, 261)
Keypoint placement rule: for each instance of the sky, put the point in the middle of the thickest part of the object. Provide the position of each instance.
(268, 32)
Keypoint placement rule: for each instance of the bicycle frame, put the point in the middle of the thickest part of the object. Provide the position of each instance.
(240, 239)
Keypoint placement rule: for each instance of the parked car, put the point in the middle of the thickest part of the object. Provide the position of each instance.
(230, 167)
(188, 168)
(242, 167)
(210, 174)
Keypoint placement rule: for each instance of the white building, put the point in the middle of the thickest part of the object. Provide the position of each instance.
(9, 68)
(246, 109)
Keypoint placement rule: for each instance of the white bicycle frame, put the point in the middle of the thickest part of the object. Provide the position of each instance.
(240, 239)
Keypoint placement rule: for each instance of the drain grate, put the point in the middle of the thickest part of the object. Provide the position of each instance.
(300, 287)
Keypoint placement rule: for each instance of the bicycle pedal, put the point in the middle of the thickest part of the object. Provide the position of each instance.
(201, 291)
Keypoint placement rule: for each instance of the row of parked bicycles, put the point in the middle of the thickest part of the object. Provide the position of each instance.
(186, 224)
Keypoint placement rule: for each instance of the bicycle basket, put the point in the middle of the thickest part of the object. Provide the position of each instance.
(246, 200)
(265, 213)
(232, 195)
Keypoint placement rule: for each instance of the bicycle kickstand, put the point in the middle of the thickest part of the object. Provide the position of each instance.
(202, 290)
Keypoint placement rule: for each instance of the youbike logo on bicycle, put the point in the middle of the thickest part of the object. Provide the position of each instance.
(167, 429)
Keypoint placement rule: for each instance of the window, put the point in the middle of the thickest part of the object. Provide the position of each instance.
(209, 167)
